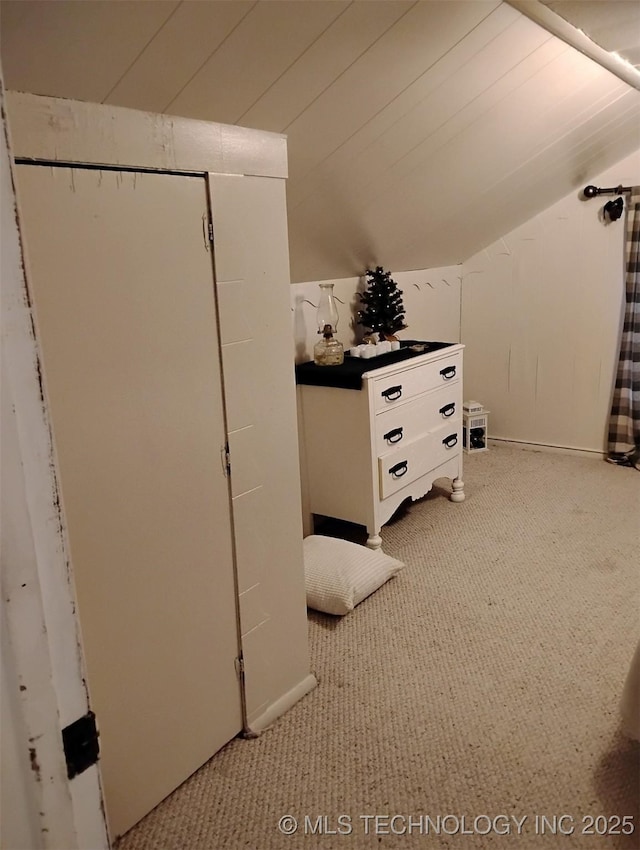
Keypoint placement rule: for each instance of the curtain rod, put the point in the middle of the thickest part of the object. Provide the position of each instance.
(593, 191)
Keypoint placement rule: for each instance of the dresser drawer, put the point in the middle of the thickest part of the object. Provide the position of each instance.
(405, 464)
(397, 388)
(369, 447)
(406, 422)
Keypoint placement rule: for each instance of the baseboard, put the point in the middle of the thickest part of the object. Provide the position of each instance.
(259, 724)
(546, 447)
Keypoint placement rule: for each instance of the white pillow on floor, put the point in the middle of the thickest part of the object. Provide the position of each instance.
(340, 574)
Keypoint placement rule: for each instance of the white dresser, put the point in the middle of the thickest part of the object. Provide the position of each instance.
(382, 435)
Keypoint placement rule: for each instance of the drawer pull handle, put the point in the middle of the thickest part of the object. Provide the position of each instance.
(448, 410)
(450, 441)
(448, 373)
(392, 393)
(393, 436)
(399, 469)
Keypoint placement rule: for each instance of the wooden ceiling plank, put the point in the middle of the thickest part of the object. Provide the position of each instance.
(418, 131)
(441, 242)
(543, 126)
(514, 101)
(188, 39)
(551, 176)
(551, 173)
(348, 37)
(460, 170)
(416, 42)
(451, 93)
(566, 162)
(75, 49)
(350, 153)
(268, 40)
(384, 183)
(532, 125)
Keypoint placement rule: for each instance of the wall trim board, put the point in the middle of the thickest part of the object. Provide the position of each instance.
(260, 723)
(543, 447)
(51, 128)
(38, 604)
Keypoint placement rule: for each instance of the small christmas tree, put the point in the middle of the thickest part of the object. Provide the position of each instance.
(383, 311)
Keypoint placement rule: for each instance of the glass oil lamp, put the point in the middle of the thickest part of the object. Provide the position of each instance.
(327, 351)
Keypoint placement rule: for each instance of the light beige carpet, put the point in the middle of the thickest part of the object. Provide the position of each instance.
(479, 686)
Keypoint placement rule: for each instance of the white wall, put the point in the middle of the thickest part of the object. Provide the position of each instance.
(541, 318)
(431, 299)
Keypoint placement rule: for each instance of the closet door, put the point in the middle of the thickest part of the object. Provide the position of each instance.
(122, 278)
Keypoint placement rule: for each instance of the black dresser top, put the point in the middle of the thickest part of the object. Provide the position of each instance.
(349, 374)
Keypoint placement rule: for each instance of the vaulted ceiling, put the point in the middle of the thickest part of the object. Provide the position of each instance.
(418, 132)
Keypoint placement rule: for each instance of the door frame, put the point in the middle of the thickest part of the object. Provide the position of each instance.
(37, 576)
(38, 600)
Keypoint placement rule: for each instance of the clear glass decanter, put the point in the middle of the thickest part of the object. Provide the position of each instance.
(328, 351)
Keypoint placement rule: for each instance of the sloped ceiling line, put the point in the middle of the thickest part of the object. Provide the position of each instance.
(260, 49)
(338, 72)
(427, 70)
(517, 187)
(386, 121)
(453, 112)
(141, 53)
(292, 65)
(210, 56)
(412, 46)
(453, 130)
(346, 41)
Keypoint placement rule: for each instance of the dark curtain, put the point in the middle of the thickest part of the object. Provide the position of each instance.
(624, 423)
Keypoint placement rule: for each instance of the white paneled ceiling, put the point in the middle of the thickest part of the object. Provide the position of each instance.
(418, 132)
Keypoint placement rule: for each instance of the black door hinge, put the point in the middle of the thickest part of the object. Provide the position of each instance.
(81, 748)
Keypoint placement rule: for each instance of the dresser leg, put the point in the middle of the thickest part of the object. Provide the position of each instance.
(457, 494)
(374, 541)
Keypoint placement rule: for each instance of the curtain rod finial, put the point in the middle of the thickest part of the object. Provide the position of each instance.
(590, 191)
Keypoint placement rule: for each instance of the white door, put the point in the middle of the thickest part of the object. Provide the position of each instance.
(122, 278)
